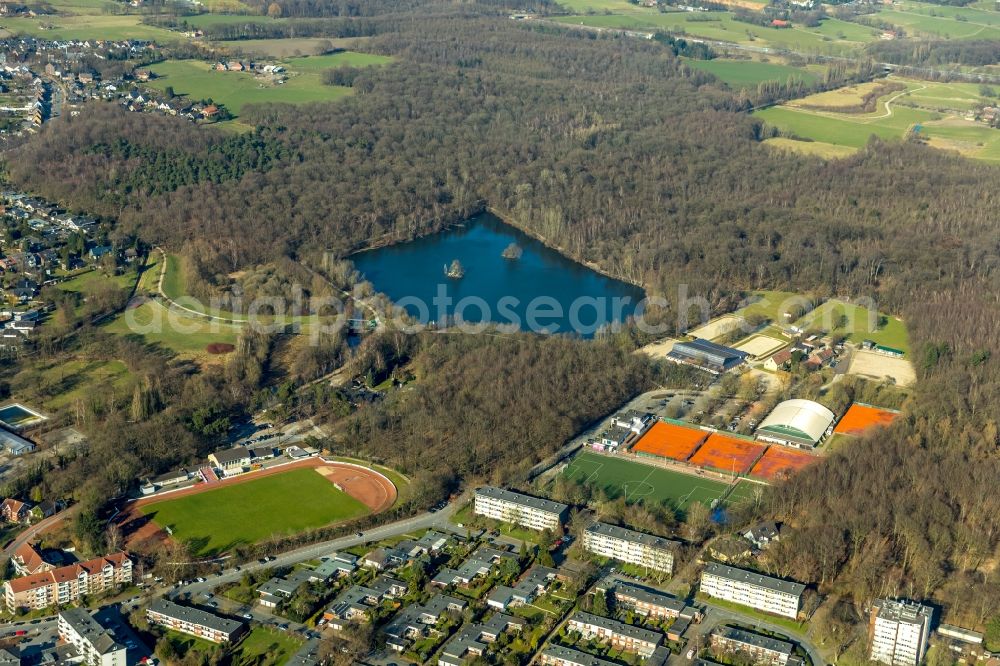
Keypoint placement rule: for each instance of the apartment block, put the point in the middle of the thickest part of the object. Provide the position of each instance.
(557, 655)
(898, 632)
(651, 603)
(762, 649)
(194, 621)
(94, 645)
(752, 589)
(510, 507)
(64, 585)
(624, 636)
(630, 546)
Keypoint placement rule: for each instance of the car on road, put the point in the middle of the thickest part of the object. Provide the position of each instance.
(199, 579)
(359, 534)
(247, 616)
(20, 632)
(690, 654)
(36, 621)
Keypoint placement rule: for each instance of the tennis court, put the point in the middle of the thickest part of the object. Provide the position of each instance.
(670, 441)
(727, 454)
(618, 477)
(860, 418)
(779, 462)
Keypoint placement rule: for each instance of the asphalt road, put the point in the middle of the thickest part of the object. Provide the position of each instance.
(437, 519)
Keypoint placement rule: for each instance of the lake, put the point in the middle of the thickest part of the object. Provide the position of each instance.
(542, 291)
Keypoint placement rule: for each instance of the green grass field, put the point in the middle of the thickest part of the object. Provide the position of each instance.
(217, 520)
(860, 325)
(937, 21)
(88, 26)
(637, 481)
(264, 646)
(293, 46)
(319, 63)
(936, 111)
(833, 36)
(748, 73)
(198, 81)
(171, 329)
(814, 148)
(769, 304)
(59, 384)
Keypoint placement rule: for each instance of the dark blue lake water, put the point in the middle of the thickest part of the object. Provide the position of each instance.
(542, 291)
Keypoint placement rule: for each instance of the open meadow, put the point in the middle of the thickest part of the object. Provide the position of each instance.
(218, 519)
(936, 113)
(831, 37)
(749, 73)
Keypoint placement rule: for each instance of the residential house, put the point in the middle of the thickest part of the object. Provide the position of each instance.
(472, 641)
(15, 511)
(779, 361)
(762, 534)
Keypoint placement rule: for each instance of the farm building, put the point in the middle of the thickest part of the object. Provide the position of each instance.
(799, 423)
(707, 355)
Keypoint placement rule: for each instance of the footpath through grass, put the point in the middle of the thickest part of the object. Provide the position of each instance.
(216, 520)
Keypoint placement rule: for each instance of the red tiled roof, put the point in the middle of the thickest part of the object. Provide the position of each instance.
(67, 573)
(28, 556)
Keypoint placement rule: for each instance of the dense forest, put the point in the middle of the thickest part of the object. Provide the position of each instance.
(617, 152)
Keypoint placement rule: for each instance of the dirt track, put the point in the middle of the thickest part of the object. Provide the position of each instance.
(370, 488)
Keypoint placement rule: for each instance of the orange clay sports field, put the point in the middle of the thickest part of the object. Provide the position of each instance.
(670, 441)
(727, 454)
(859, 418)
(779, 462)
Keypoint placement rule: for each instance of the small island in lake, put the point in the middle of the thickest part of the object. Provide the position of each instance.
(512, 251)
(455, 270)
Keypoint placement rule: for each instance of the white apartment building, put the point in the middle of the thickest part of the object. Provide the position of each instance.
(94, 645)
(898, 632)
(630, 546)
(752, 589)
(510, 507)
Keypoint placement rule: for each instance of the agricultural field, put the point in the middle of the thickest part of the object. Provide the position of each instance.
(937, 21)
(934, 112)
(813, 148)
(748, 73)
(216, 520)
(618, 477)
(87, 26)
(832, 37)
